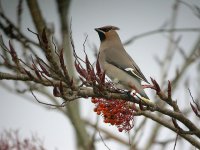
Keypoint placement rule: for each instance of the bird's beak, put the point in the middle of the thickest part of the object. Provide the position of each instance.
(98, 30)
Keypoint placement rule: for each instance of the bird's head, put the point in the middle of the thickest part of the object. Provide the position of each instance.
(107, 32)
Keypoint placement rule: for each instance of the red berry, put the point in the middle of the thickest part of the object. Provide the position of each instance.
(120, 129)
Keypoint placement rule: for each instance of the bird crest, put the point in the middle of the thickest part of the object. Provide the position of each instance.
(108, 28)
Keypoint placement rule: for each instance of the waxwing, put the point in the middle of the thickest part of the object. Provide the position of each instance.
(117, 63)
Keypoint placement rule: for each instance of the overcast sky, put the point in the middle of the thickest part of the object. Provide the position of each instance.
(132, 17)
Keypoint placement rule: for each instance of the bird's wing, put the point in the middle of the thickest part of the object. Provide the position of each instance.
(122, 60)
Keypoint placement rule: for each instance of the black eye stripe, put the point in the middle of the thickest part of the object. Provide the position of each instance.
(102, 36)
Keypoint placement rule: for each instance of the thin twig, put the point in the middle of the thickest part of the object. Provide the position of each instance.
(103, 141)
(52, 105)
(175, 141)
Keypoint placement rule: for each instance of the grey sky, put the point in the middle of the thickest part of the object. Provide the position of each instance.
(132, 17)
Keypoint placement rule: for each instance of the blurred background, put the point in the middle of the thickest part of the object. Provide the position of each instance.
(159, 54)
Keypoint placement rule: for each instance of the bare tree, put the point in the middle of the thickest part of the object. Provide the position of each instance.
(58, 64)
(11, 140)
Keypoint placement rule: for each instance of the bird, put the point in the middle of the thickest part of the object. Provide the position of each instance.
(118, 64)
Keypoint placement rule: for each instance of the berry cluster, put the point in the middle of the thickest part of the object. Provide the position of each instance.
(116, 112)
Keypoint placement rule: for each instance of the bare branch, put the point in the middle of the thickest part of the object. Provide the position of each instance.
(156, 31)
